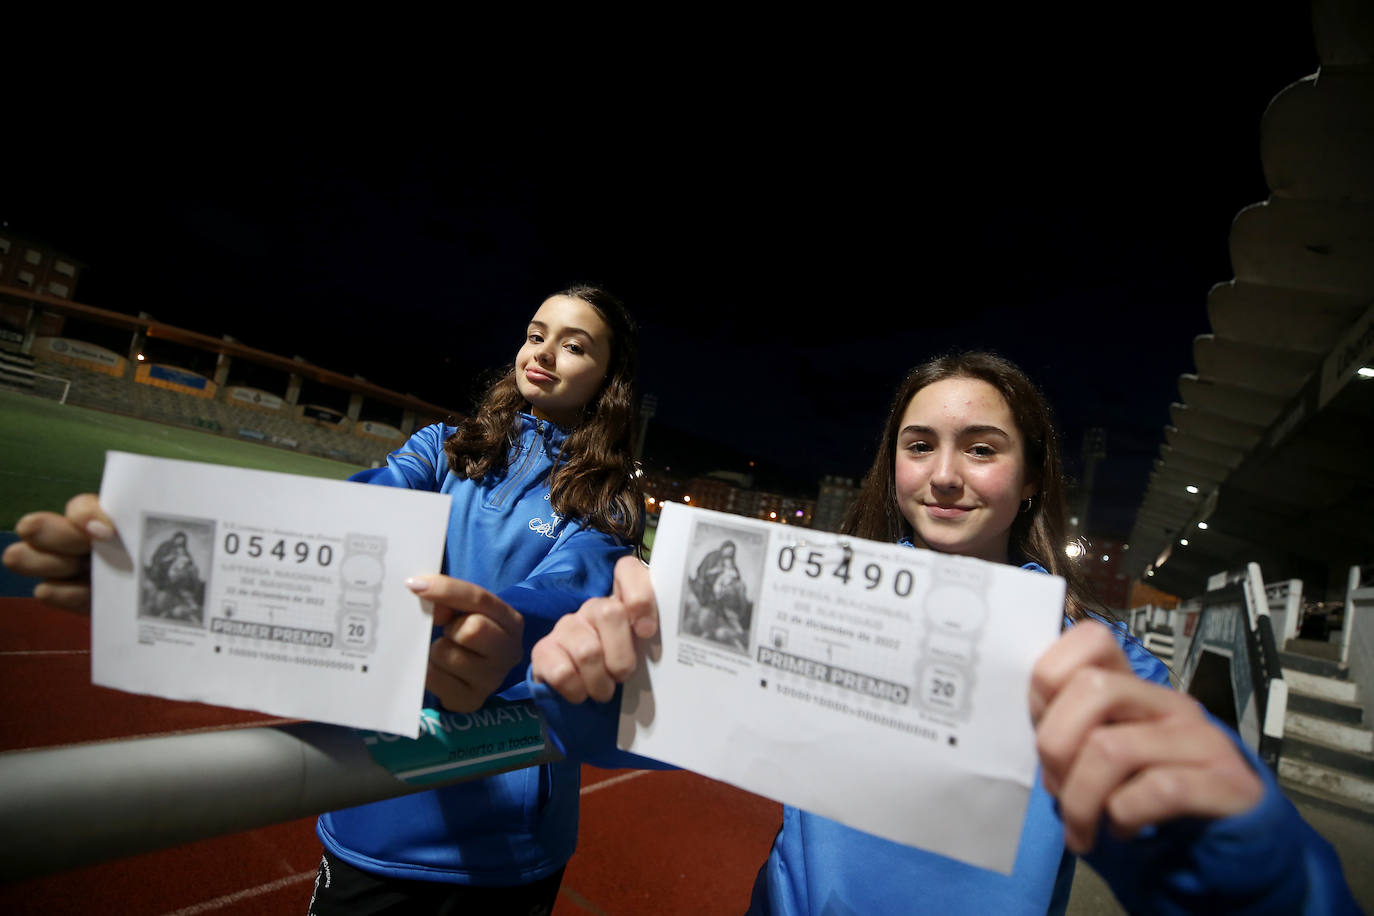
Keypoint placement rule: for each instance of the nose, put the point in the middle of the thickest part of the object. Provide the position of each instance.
(544, 353)
(945, 475)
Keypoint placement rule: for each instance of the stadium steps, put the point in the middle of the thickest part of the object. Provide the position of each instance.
(1160, 643)
(1328, 750)
(17, 370)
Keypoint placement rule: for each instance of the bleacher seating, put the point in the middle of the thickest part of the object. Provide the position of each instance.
(285, 429)
(16, 370)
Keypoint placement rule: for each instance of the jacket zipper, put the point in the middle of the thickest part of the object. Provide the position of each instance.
(519, 473)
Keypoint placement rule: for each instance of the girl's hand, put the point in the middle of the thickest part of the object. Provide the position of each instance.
(592, 650)
(1116, 747)
(57, 549)
(479, 646)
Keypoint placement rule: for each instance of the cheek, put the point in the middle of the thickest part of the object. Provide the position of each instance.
(1003, 489)
(907, 478)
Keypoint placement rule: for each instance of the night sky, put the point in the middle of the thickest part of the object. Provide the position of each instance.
(796, 216)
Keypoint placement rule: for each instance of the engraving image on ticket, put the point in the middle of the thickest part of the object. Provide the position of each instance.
(259, 590)
(879, 685)
(173, 571)
(718, 597)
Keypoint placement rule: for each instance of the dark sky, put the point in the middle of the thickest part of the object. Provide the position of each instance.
(796, 216)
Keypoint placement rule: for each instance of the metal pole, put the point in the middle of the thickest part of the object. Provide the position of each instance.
(66, 807)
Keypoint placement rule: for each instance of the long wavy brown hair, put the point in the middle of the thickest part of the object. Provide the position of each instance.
(594, 478)
(1037, 534)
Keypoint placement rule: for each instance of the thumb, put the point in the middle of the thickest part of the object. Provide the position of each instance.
(634, 590)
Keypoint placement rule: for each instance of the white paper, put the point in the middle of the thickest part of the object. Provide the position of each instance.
(265, 591)
(894, 702)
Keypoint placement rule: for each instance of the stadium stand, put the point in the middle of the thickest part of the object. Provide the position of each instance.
(16, 370)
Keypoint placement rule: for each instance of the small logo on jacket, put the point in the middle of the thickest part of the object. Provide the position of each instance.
(548, 529)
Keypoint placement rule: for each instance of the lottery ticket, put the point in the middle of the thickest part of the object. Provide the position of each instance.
(878, 685)
(266, 591)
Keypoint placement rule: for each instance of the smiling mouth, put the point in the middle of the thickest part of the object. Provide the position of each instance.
(939, 511)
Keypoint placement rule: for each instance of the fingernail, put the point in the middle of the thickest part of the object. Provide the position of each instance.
(417, 584)
(98, 530)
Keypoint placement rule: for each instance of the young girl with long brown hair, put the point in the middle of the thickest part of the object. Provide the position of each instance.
(544, 501)
(1164, 802)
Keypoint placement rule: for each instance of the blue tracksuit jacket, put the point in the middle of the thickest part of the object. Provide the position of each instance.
(516, 827)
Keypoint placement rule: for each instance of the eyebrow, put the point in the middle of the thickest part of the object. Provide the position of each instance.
(976, 430)
(566, 331)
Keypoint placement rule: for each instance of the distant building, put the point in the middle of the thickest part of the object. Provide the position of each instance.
(837, 495)
(33, 267)
(36, 267)
(714, 492)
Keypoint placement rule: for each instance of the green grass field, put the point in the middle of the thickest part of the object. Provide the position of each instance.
(49, 452)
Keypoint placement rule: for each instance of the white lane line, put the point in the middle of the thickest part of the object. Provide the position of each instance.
(46, 652)
(300, 878)
(246, 894)
(614, 780)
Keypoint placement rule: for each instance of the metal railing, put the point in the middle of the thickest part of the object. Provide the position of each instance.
(62, 808)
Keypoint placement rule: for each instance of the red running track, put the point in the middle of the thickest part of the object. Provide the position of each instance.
(651, 842)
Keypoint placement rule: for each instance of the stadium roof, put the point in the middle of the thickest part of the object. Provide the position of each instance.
(1269, 457)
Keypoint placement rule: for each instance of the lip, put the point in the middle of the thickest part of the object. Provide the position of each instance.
(537, 375)
(947, 512)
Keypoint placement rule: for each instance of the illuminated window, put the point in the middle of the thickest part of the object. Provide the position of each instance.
(58, 289)
(65, 269)
(33, 257)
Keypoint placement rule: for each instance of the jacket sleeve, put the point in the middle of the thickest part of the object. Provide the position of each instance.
(419, 464)
(585, 732)
(574, 571)
(579, 567)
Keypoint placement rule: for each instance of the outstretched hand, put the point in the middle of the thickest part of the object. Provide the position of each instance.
(479, 645)
(592, 650)
(1118, 749)
(57, 549)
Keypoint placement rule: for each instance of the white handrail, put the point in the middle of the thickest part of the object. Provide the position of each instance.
(61, 808)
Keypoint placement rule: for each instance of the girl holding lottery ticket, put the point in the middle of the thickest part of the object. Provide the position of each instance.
(544, 503)
(1162, 801)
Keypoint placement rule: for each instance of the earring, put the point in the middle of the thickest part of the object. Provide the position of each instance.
(1027, 506)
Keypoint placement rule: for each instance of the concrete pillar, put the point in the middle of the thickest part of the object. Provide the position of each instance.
(222, 364)
(136, 344)
(293, 385)
(31, 328)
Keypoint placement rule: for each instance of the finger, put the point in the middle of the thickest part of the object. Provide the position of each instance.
(23, 559)
(1109, 757)
(460, 595)
(453, 691)
(482, 637)
(614, 640)
(1094, 696)
(551, 664)
(1086, 644)
(464, 673)
(1125, 758)
(1164, 793)
(635, 591)
(83, 511)
(583, 642)
(49, 532)
(71, 596)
